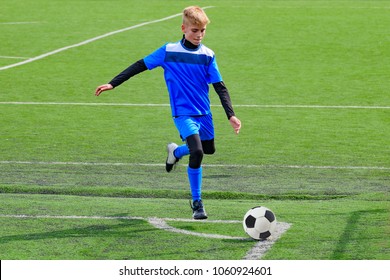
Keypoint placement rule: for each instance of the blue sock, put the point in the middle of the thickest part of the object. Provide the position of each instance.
(181, 151)
(195, 179)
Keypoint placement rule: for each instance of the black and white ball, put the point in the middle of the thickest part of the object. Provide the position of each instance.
(259, 222)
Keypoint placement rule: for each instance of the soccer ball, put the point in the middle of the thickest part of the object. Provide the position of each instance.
(259, 222)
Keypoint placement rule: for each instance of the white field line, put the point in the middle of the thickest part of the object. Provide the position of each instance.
(118, 218)
(83, 104)
(156, 222)
(167, 105)
(70, 217)
(316, 106)
(13, 57)
(255, 253)
(254, 166)
(19, 22)
(312, 8)
(90, 41)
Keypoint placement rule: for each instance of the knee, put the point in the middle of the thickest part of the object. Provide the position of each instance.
(196, 156)
(208, 147)
(209, 150)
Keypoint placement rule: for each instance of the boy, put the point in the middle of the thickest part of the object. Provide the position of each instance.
(189, 68)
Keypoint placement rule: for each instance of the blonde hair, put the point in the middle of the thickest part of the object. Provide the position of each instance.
(195, 15)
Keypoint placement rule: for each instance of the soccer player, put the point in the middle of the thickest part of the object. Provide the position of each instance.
(189, 68)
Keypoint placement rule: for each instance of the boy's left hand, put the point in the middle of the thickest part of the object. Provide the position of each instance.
(102, 88)
(235, 123)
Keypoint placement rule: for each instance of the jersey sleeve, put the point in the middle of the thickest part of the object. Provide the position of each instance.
(156, 58)
(214, 76)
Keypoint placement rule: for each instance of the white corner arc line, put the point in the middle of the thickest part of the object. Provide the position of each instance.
(161, 224)
(255, 253)
(90, 41)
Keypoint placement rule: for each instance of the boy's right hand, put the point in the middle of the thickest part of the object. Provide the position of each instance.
(102, 88)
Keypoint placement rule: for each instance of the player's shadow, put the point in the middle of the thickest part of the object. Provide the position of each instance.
(97, 230)
(354, 220)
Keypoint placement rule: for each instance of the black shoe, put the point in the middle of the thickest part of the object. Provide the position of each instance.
(198, 210)
(171, 159)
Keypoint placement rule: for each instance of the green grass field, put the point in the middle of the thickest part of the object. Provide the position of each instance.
(81, 175)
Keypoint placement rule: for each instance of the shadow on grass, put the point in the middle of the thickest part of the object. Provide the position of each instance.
(352, 229)
(97, 230)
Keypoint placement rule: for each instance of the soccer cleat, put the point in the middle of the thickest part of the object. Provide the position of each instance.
(171, 159)
(198, 210)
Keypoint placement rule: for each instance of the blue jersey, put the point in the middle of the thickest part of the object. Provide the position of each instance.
(187, 73)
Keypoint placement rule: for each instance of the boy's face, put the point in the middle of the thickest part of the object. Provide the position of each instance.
(193, 33)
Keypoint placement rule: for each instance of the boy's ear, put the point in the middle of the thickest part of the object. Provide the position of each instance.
(183, 28)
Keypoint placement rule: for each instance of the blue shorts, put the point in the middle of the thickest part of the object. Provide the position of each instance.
(202, 125)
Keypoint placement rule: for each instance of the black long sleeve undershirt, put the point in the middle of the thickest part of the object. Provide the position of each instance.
(224, 96)
(129, 72)
(140, 66)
